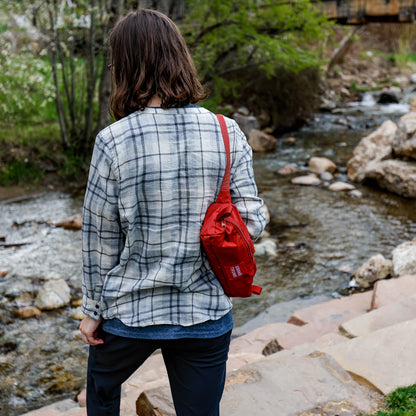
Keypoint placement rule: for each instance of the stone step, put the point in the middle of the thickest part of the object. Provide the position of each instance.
(308, 330)
(326, 340)
(391, 314)
(76, 411)
(280, 312)
(384, 359)
(334, 312)
(391, 290)
(55, 409)
(272, 338)
(284, 386)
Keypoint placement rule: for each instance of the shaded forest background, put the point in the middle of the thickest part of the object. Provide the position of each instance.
(264, 55)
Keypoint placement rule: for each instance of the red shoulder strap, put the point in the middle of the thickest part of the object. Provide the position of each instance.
(224, 195)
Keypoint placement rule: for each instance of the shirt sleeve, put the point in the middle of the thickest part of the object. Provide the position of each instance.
(102, 237)
(243, 187)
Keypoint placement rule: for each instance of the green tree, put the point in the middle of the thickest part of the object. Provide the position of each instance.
(79, 55)
(224, 37)
(228, 36)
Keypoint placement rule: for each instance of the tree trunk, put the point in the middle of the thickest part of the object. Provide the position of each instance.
(343, 48)
(83, 142)
(53, 60)
(114, 9)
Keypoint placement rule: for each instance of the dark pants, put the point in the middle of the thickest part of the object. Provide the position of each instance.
(196, 370)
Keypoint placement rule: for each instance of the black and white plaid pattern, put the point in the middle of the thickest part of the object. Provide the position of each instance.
(152, 176)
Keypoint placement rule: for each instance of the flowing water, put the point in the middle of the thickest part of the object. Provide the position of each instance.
(322, 238)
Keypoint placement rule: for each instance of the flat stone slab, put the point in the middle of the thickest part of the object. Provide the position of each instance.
(290, 386)
(255, 341)
(284, 386)
(326, 340)
(391, 314)
(279, 312)
(384, 359)
(55, 409)
(333, 313)
(272, 338)
(391, 290)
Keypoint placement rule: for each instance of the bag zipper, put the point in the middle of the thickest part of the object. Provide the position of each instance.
(241, 233)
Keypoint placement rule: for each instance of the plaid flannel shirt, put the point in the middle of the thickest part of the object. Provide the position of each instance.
(152, 176)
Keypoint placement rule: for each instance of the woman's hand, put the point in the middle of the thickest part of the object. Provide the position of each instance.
(88, 330)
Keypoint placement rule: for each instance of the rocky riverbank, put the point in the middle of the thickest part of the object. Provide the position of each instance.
(340, 357)
(318, 237)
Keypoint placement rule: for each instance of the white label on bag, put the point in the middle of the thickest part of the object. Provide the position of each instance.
(236, 271)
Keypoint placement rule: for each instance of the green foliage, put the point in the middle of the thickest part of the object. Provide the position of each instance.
(403, 51)
(212, 103)
(28, 150)
(225, 36)
(20, 170)
(75, 33)
(26, 88)
(401, 402)
(29, 133)
(3, 27)
(403, 399)
(355, 87)
(72, 165)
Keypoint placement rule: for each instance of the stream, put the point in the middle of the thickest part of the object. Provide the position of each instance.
(322, 238)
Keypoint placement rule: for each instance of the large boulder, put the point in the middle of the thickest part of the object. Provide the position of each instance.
(396, 176)
(404, 258)
(377, 146)
(404, 142)
(261, 141)
(376, 268)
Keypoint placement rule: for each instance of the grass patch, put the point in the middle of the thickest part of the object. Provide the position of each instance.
(401, 402)
(29, 150)
(30, 133)
(3, 27)
(355, 87)
(19, 171)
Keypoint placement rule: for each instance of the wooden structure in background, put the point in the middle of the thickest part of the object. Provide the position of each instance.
(363, 11)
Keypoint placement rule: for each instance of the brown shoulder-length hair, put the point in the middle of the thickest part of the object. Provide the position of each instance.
(149, 57)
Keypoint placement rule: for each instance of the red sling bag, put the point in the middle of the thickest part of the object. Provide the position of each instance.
(226, 240)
